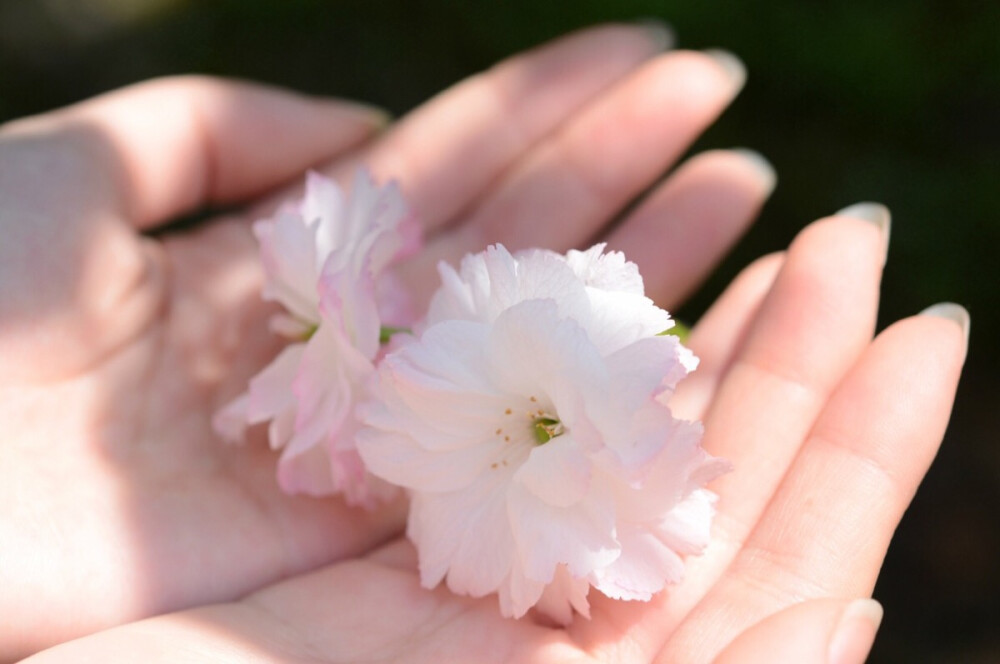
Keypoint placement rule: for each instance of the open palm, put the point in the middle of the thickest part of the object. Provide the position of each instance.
(116, 348)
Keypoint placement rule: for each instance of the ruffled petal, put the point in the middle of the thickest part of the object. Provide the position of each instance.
(557, 472)
(563, 596)
(645, 566)
(519, 593)
(534, 352)
(230, 422)
(394, 457)
(305, 470)
(492, 281)
(582, 537)
(271, 389)
(687, 528)
(605, 271)
(464, 535)
(288, 254)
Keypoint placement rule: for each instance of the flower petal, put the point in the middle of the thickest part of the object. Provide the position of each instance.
(532, 351)
(519, 593)
(564, 595)
(394, 457)
(231, 421)
(557, 472)
(288, 254)
(582, 537)
(271, 389)
(645, 566)
(464, 534)
(605, 271)
(306, 471)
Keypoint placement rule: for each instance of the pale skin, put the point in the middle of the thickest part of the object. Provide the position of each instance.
(131, 532)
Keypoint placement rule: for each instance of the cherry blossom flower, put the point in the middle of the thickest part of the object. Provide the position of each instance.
(325, 262)
(529, 422)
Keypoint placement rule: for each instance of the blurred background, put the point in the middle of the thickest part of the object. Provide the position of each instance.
(896, 101)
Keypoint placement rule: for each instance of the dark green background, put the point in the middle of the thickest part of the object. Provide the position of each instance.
(892, 101)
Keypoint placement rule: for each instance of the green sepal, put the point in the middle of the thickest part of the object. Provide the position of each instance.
(679, 330)
(386, 332)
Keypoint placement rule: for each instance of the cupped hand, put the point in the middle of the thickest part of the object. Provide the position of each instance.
(829, 431)
(119, 338)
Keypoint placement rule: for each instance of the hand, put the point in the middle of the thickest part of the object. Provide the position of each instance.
(830, 433)
(116, 347)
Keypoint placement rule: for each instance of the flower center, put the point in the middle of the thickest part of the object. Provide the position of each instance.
(519, 436)
(546, 428)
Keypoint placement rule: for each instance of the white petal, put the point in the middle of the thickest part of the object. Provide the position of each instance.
(347, 301)
(388, 411)
(323, 386)
(231, 421)
(305, 471)
(642, 369)
(492, 281)
(557, 472)
(564, 595)
(465, 535)
(645, 566)
(519, 593)
(282, 428)
(687, 528)
(665, 478)
(534, 352)
(582, 536)
(322, 210)
(619, 319)
(271, 389)
(395, 458)
(609, 272)
(287, 252)
(352, 479)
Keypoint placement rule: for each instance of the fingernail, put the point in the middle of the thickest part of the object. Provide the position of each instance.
(875, 213)
(733, 66)
(761, 165)
(659, 32)
(854, 634)
(953, 312)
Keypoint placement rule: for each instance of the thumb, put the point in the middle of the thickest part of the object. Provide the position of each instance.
(818, 631)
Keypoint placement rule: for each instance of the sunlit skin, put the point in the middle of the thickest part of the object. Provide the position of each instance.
(119, 503)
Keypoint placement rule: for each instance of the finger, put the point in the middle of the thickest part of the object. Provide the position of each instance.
(814, 323)
(447, 152)
(719, 335)
(174, 144)
(838, 631)
(564, 191)
(827, 528)
(685, 226)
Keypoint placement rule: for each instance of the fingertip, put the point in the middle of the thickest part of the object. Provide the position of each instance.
(953, 312)
(731, 65)
(660, 33)
(376, 116)
(854, 634)
(837, 631)
(760, 166)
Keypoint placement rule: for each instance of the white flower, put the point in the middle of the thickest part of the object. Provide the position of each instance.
(325, 262)
(529, 423)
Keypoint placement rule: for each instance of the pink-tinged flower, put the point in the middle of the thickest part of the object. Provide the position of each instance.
(325, 261)
(529, 422)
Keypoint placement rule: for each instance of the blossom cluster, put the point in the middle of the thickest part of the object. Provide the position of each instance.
(526, 414)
